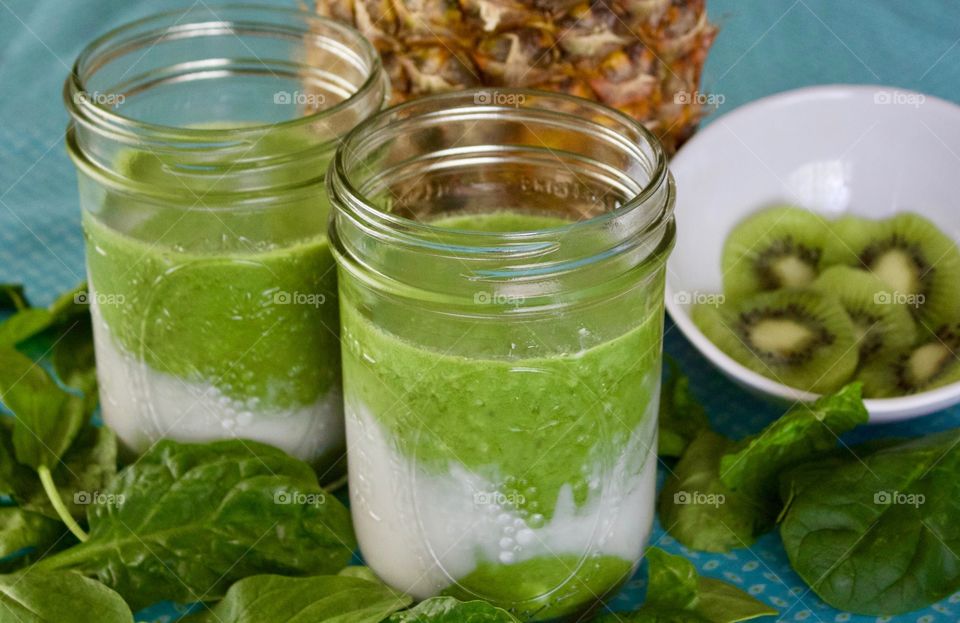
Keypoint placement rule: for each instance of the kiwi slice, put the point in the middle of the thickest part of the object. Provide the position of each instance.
(919, 263)
(880, 323)
(779, 247)
(802, 338)
(934, 362)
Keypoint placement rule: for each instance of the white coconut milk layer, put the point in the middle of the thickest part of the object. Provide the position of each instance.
(420, 531)
(143, 405)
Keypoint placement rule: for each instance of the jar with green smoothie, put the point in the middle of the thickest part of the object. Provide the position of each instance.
(501, 271)
(202, 139)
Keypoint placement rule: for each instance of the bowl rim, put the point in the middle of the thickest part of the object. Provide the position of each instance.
(882, 410)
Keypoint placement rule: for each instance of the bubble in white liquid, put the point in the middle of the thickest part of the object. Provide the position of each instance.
(526, 536)
(507, 557)
(506, 542)
(503, 519)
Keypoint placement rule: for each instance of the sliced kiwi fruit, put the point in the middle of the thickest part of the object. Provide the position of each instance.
(919, 263)
(880, 323)
(779, 247)
(934, 362)
(801, 338)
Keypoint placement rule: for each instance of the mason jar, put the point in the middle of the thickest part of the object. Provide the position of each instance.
(501, 272)
(202, 139)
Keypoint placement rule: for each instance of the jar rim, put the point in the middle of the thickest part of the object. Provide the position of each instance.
(102, 116)
(659, 175)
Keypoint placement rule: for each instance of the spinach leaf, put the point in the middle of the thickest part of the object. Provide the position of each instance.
(36, 597)
(876, 532)
(23, 325)
(359, 571)
(73, 357)
(677, 594)
(701, 512)
(20, 529)
(47, 417)
(12, 297)
(30, 321)
(188, 520)
(81, 476)
(754, 465)
(672, 581)
(13, 475)
(722, 495)
(280, 599)
(682, 418)
(451, 610)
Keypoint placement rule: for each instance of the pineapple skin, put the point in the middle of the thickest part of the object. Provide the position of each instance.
(644, 57)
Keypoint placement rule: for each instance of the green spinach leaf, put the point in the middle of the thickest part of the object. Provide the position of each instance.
(722, 495)
(451, 610)
(37, 597)
(677, 594)
(755, 464)
(28, 321)
(188, 520)
(47, 417)
(701, 512)
(876, 532)
(81, 476)
(20, 529)
(12, 297)
(23, 325)
(682, 418)
(280, 599)
(73, 358)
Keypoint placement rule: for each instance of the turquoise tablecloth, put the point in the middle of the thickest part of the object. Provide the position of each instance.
(765, 46)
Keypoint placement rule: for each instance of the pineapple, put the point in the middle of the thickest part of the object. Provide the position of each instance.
(641, 56)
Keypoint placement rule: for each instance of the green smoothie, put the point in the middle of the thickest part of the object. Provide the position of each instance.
(558, 444)
(215, 320)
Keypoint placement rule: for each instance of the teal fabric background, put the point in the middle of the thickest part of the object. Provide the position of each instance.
(765, 46)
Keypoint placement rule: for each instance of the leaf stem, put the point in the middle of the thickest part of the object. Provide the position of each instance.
(46, 478)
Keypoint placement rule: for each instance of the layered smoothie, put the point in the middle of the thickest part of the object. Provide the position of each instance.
(523, 479)
(215, 323)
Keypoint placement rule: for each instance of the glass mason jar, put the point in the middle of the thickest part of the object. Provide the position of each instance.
(501, 270)
(202, 140)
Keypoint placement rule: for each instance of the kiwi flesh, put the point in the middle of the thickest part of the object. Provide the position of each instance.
(932, 363)
(919, 263)
(881, 324)
(779, 247)
(801, 338)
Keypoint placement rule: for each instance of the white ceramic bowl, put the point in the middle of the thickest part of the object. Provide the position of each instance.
(864, 150)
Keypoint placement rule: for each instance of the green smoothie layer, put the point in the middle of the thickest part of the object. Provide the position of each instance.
(559, 585)
(208, 296)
